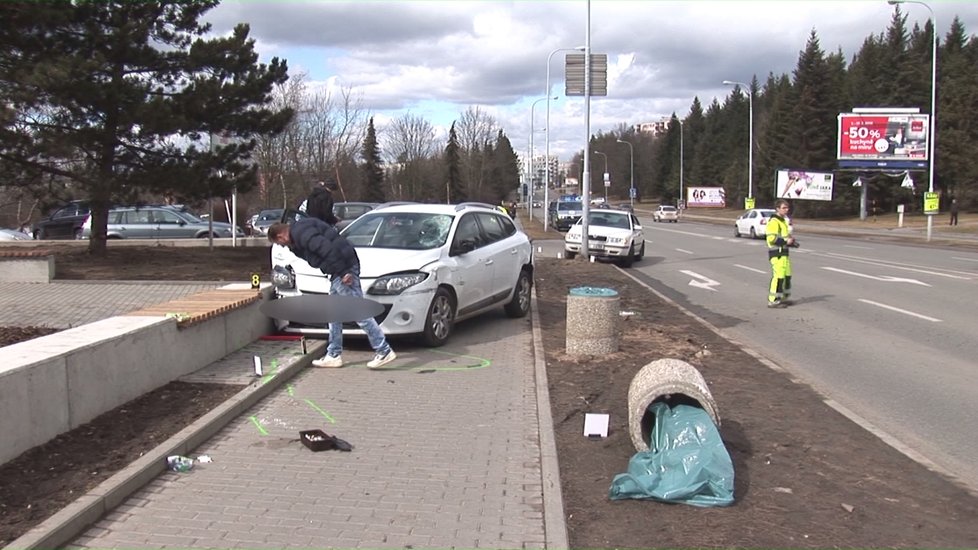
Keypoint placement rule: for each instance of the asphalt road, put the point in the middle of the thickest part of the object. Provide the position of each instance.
(885, 331)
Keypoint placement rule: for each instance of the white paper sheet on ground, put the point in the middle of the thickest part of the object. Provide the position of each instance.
(596, 425)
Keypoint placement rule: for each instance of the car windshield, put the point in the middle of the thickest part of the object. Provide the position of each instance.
(407, 230)
(570, 205)
(609, 219)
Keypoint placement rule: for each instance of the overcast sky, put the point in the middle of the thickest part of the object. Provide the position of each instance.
(435, 59)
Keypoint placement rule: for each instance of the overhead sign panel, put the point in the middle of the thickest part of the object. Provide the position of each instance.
(574, 74)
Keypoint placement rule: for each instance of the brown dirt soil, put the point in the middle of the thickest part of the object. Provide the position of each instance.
(805, 475)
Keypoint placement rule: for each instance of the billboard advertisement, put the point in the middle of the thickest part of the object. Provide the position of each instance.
(705, 197)
(883, 137)
(798, 184)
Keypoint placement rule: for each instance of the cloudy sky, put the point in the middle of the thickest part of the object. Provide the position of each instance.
(435, 59)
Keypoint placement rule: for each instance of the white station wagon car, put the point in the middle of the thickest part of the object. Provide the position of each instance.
(612, 234)
(429, 265)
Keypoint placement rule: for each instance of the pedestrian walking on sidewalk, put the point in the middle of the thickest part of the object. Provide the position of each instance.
(954, 212)
(322, 247)
(779, 240)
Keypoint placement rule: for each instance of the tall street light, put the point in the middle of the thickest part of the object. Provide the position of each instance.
(933, 102)
(682, 200)
(546, 185)
(750, 137)
(605, 173)
(631, 160)
(529, 188)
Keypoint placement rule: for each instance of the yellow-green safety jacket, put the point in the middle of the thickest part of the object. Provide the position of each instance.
(777, 237)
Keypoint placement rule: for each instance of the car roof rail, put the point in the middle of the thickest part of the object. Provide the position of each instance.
(464, 205)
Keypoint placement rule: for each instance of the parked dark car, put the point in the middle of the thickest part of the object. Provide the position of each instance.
(349, 211)
(62, 223)
(265, 220)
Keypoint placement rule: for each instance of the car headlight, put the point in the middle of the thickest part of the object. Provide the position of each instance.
(283, 277)
(397, 283)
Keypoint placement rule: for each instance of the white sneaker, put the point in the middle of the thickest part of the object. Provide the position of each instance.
(329, 362)
(381, 360)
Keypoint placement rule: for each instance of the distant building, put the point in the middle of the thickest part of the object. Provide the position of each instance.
(656, 128)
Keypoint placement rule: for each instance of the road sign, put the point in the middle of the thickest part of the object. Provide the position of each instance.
(574, 74)
(931, 203)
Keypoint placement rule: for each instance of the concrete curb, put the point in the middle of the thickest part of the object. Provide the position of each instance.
(555, 528)
(72, 520)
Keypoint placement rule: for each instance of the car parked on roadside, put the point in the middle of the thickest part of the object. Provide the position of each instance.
(666, 213)
(566, 214)
(753, 223)
(159, 222)
(13, 235)
(64, 222)
(612, 235)
(429, 265)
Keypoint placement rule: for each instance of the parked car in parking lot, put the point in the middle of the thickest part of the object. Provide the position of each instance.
(349, 211)
(265, 219)
(666, 213)
(429, 265)
(158, 222)
(62, 223)
(612, 234)
(13, 235)
(754, 223)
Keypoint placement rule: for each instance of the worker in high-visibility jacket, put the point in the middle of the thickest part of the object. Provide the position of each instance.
(779, 240)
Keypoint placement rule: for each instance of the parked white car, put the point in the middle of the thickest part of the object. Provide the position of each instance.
(754, 223)
(429, 265)
(612, 234)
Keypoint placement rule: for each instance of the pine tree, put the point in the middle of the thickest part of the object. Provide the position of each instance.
(455, 190)
(120, 98)
(372, 167)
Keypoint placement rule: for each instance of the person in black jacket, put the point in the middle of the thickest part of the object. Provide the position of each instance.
(322, 247)
(319, 204)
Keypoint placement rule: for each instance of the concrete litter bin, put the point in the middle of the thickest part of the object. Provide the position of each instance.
(592, 321)
(670, 380)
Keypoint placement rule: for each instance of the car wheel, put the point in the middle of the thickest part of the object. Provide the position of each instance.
(641, 252)
(519, 306)
(629, 259)
(753, 234)
(78, 234)
(440, 320)
(736, 231)
(570, 255)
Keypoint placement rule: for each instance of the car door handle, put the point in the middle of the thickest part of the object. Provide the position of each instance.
(489, 262)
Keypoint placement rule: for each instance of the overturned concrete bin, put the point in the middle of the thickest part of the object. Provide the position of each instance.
(592, 321)
(671, 380)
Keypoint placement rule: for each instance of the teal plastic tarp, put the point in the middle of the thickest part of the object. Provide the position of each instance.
(686, 461)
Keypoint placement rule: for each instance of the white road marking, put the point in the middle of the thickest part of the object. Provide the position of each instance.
(898, 310)
(751, 269)
(701, 281)
(684, 251)
(916, 269)
(965, 259)
(884, 278)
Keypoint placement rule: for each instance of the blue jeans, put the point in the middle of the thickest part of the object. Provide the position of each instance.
(374, 334)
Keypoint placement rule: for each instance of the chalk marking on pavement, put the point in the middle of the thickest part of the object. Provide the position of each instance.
(898, 310)
(884, 278)
(750, 269)
(257, 423)
(320, 411)
(684, 251)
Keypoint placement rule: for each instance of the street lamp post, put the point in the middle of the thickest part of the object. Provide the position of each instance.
(750, 137)
(631, 160)
(682, 200)
(933, 102)
(529, 187)
(605, 174)
(546, 184)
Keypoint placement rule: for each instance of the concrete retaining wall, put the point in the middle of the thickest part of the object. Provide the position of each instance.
(27, 269)
(55, 383)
